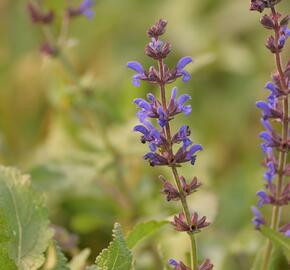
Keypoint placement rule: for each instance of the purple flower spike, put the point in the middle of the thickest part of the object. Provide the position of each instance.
(168, 147)
(184, 61)
(136, 66)
(258, 218)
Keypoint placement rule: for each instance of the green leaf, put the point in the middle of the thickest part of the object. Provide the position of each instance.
(143, 230)
(277, 260)
(55, 260)
(279, 239)
(5, 261)
(26, 217)
(117, 256)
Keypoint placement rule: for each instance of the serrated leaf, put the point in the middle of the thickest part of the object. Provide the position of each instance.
(26, 217)
(117, 256)
(277, 238)
(55, 259)
(5, 261)
(79, 261)
(143, 230)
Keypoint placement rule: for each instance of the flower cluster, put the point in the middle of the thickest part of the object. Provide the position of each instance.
(260, 5)
(196, 224)
(167, 148)
(275, 113)
(41, 17)
(160, 148)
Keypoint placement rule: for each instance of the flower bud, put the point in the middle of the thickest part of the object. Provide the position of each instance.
(270, 44)
(157, 29)
(267, 22)
(37, 16)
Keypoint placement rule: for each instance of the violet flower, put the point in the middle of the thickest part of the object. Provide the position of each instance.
(264, 198)
(86, 8)
(182, 63)
(258, 219)
(154, 109)
(136, 66)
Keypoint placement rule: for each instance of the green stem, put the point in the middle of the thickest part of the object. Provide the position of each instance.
(69, 68)
(188, 218)
(194, 265)
(277, 209)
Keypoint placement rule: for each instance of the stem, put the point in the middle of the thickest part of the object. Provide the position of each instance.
(69, 69)
(277, 209)
(188, 219)
(183, 200)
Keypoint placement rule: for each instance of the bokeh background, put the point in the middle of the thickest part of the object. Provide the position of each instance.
(77, 142)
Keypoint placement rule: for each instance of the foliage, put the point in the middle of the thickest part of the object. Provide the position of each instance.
(78, 144)
(143, 230)
(117, 256)
(26, 217)
(278, 239)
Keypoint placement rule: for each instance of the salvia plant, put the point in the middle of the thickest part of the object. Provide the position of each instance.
(169, 148)
(275, 119)
(28, 240)
(46, 18)
(54, 20)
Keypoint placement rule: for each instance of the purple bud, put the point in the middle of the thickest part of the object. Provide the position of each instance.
(267, 22)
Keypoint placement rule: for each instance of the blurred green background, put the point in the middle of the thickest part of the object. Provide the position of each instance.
(78, 144)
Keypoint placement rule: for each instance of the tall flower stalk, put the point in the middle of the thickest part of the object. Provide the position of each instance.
(54, 44)
(275, 116)
(168, 148)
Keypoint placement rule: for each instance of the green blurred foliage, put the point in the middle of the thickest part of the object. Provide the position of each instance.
(79, 146)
